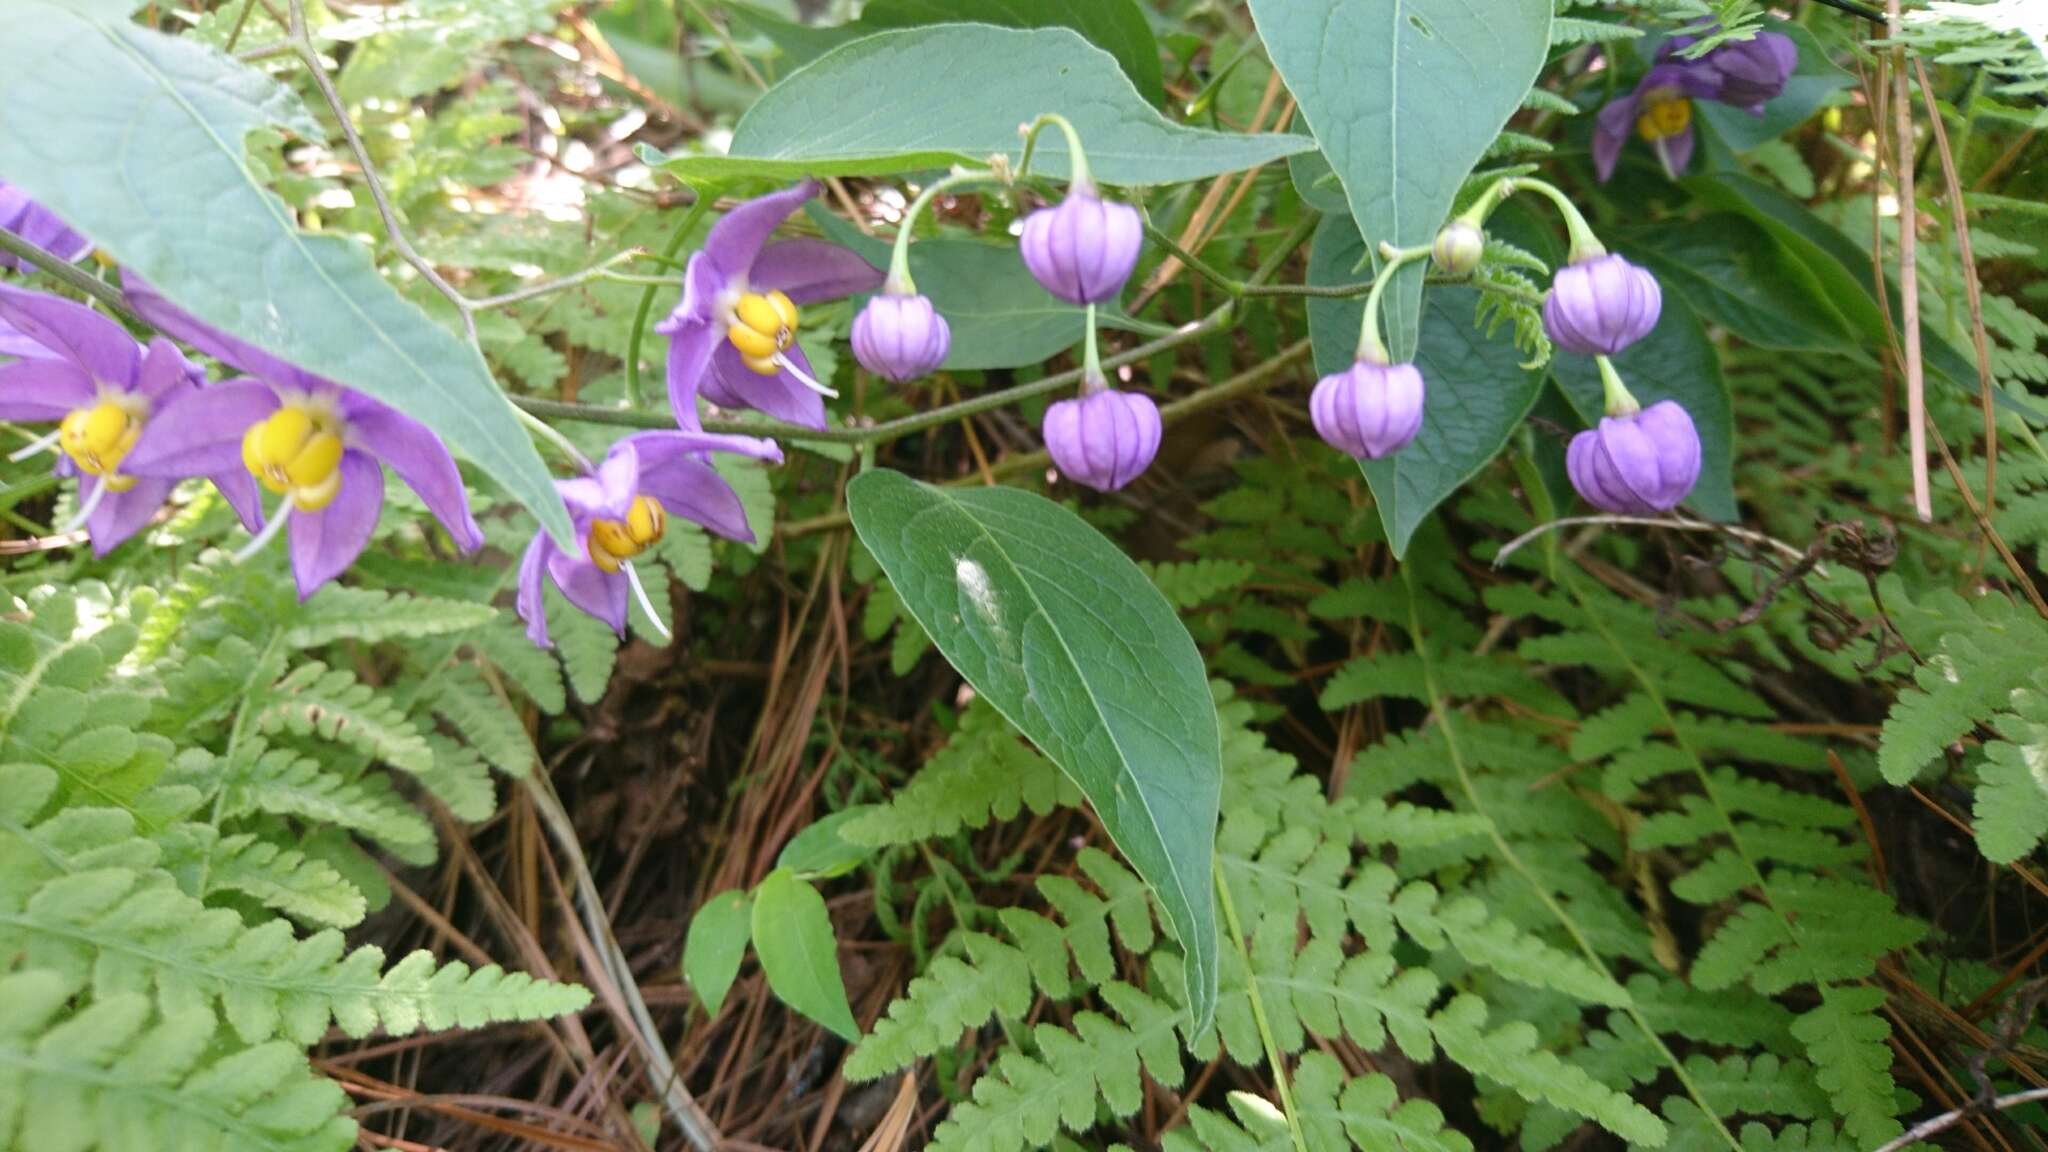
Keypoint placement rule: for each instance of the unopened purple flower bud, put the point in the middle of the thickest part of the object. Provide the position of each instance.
(1601, 306)
(1104, 439)
(1754, 71)
(1084, 248)
(1368, 410)
(1640, 464)
(900, 338)
(1458, 249)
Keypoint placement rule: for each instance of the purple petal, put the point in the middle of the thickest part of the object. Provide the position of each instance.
(738, 236)
(657, 449)
(39, 226)
(14, 342)
(609, 494)
(693, 332)
(532, 601)
(326, 542)
(200, 433)
(809, 270)
(1616, 121)
(175, 322)
(1676, 152)
(410, 449)
(165, 374)
(731, 384)
(597, 592)
(33, 391)
(123, 514)
(238, 488)
(77, 333)
(690, 488)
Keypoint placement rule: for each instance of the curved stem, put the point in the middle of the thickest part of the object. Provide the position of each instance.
(1371, 348)
(553, 435)
(1620, 401)
(899, 282)
(1585, 245)
(1078, 177)
(705, 199)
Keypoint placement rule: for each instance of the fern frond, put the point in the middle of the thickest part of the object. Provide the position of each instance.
(1841, 931)
(204, 862)
(1024, 1100)
(106, 1076)
(317, 701)
(126, 934)
(1845, 1037)
(368, 615)
(984, 773)
(1197, 582)
(460, 696)
(281, 782)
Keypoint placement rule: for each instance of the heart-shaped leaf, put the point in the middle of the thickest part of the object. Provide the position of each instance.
(1404, 97)
(1476, 388)
(1055, 627)
(946, 94)
(135, 138)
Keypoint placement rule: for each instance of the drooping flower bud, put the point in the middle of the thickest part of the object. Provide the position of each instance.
(1103, 439)
(1600, 306)
(1458, 249)
(1753, 72)
(1084, 248)
(1637, 464)
(1368, 410)
(900, 337)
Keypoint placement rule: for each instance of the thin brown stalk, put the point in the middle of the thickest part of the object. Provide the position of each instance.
(1909, 276)
(1973, 289)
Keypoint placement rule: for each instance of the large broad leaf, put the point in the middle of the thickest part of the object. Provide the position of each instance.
(1404, 97)
(1477, 390)
(136, 139)
(1675, 361)
(1847, 276)
(1735, 273)
(947, 94)
(1118, 27)
(1056, 628)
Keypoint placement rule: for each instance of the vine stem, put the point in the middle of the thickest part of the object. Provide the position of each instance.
(634, 395)
(71, 275)
(1251, 981)
(302, 46)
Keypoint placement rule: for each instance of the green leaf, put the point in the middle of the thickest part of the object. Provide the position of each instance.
(1404, 97)
(819, 852)
(954, 94)
(1116, 26)
(88, 100)
(1477, 389)
(1735, 273)
(1675, 361)
(1845, 1037)
(999, 315)
(1055, 626)
(715, 946)
(793, 937)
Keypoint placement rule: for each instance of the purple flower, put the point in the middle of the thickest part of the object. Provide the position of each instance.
(1368, 410)
(900, 337)
(1084, 248)
(733, 336)
(1752, 72)
(87, 374)
(1104, 438)
(622, 511)
(306, 438)
(1639, 464)
(1660, 111)
(1600, 306)
(37, 225)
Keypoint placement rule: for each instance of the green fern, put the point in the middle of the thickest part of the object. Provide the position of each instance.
(983, 773)
(106, 1077)
(328, 703)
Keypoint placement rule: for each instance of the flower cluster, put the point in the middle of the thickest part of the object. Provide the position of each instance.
(1746, 74)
